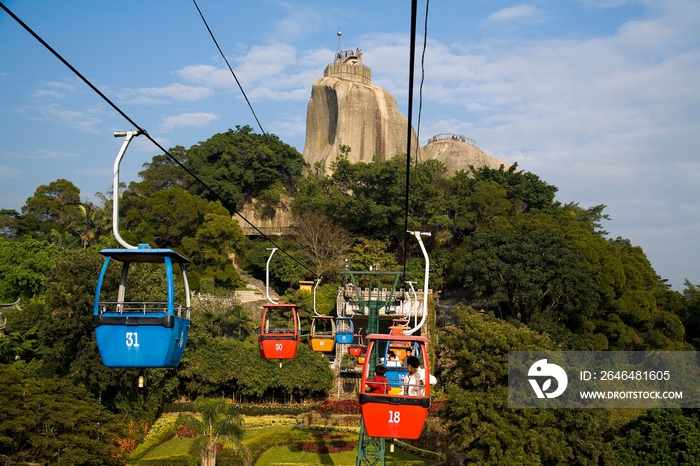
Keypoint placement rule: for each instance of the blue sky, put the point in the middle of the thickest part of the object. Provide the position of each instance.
(597, 97)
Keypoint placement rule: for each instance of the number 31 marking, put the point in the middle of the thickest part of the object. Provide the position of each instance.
(132, 339)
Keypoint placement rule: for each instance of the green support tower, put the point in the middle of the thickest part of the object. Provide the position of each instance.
(370, 450)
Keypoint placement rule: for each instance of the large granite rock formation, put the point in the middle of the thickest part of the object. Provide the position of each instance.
(346, 109)
(458, 153)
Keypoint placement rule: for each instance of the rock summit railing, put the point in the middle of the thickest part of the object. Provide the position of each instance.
(452, 136)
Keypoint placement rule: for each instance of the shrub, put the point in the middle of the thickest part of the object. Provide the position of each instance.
(335, 446)
(186, 432)
(269, 422)
(435, 408)
(339, 407)
(431, 455)
(162, 430)
(248, 409)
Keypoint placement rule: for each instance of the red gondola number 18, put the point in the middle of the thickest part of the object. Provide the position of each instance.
(394, 417)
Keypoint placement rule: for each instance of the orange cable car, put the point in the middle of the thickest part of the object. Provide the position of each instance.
(279, 331)
(399, 347)
(322, 335)
(396, 415)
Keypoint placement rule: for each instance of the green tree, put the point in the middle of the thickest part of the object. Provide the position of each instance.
(55, 205)
(524, 268)
(175, 219)
(473, 365)
(217, 420)
(487, 201)
(216, 241)
(214, 367)
(14, 225)
(524, 190)
(88, 223)
(690, 313)
(286, 268)
(163, 173)
(162, 219)
(23, 265)
(241, 165)
(218, 316)
(52, 421)
(666, 437)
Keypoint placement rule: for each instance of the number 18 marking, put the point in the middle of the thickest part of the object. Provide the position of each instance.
(394, 417)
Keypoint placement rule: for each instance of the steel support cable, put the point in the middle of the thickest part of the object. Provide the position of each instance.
(411, 64)
(420, 87)
(224, 202)
(229, 67)
(422, 72)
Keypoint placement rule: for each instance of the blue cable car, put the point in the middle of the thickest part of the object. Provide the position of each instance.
(344, 330)
(142, 333)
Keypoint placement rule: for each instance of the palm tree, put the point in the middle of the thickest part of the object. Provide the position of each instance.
(217, 419)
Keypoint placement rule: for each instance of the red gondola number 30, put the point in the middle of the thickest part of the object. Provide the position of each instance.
(394, 417)
(132, 339)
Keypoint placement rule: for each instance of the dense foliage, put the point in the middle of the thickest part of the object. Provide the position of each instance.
(474, 367)
(544, 274)
(54, 421)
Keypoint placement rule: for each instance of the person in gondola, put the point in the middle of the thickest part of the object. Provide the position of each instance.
(413, 383)
(404, 360)
(392, 360)
(378, 384)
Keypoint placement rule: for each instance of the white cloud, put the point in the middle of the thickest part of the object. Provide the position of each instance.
(601, 4)
(621, 94)
(86, 120)
(290, 127)
(64, 86)
(267, 72)
(41, 93)
(9, 172)
(208, 75)
(520, 13)
(54, 90)
(159, 95)
(46, 154)
(300, 22)
(184, 120)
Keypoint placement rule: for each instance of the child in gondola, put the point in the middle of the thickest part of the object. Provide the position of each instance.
(378, 384)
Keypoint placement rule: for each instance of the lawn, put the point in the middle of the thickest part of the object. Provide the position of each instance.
(292, 454)
(174, 451)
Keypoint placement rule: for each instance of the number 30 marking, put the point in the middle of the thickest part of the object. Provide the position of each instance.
(132, 339)
(278, 346)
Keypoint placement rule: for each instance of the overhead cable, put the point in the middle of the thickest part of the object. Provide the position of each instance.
(223, 201)
(411, 64)
(229, 66)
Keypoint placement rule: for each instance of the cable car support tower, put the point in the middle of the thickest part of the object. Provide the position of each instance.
(371, 450)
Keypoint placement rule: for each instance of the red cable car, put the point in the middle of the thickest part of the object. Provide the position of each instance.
(279, 331)
(396, 415)
(358, 346)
